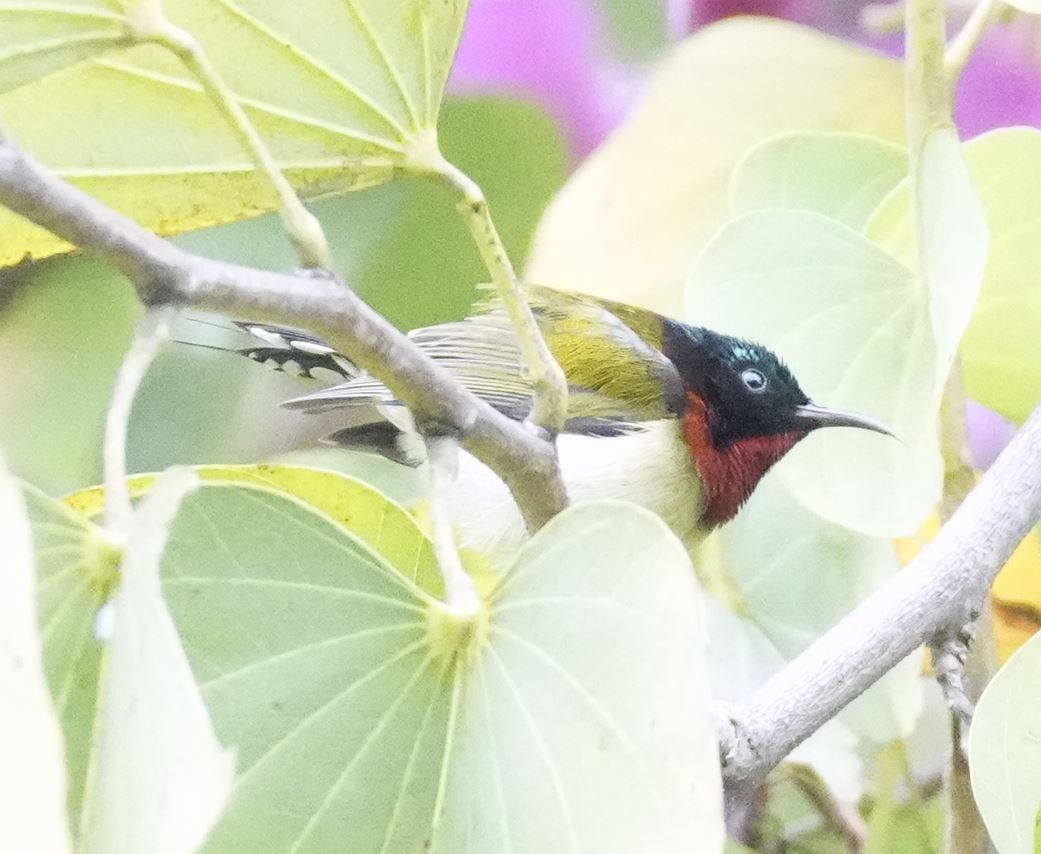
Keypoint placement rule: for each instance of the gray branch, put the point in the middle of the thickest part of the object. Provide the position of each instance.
(937, 594)
(164, 274)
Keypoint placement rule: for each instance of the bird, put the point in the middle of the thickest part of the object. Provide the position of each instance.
(679, 419)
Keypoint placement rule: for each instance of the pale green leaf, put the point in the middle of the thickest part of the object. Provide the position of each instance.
(954, 255)
(853, 324)
(1005, 751)
(76, 570)
(741, 658)
(792, 594)
(633, 218)
(585, 724)
(1001, 354)
(342, 92)
(843, 176)
(158, 778)
(32, 762)
(41, 37)
(578, 697)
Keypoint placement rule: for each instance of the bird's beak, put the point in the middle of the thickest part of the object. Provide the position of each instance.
(812, 416)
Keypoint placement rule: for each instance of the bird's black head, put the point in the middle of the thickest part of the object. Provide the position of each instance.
(742, 410)
(747, 390)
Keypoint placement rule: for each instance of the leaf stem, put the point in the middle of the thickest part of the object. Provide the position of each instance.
(549, 386)
(152, 330)
(150, 24)
(928, 94)
(461, 594)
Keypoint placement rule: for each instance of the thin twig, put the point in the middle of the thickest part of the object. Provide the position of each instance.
(165, 274)
(461, 595)
(149, 23)
(152, 330)
(549, 386)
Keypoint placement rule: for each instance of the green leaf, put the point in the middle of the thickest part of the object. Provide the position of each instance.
(40, 38)
(1001, 354)
(896, 826)
(158, 778)
(32, 774)
(364, 716)
(1005, 751)
(343, 93)
(381, 524)
(853, 324)
(954, 254)
(843, 176)
(591, 698)
(76, 570)
(635, 215)
(792, 575)
(741, 659)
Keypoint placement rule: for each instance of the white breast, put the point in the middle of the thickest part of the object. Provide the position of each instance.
(651, 467)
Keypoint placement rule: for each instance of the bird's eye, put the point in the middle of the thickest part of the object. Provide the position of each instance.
(753, 379)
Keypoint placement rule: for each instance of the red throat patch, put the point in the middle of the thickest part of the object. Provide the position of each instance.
(729, 476)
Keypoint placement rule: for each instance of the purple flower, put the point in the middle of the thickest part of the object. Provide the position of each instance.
(551, 51)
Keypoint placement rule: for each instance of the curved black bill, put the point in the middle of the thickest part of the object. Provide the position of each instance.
(813, 416)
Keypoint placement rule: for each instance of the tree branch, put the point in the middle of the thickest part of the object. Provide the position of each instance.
(936, 593)
(164, 274)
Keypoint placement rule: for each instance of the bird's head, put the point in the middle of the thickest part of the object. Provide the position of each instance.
(742, 410)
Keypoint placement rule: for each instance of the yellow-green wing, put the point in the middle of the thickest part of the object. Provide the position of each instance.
(615, 368)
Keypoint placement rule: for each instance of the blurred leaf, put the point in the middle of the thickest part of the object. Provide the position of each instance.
(957, 238)
(1001, 355)
(386, 528)
(158, 778)
(632, 219)
(898, 823)
(341, 105)
(1005, 751)
(343, 686)
(853, 324)
(38, 39)
(840, 175)
(76, 570)
(741, 658)
(793, 576)
(1029, 6)
(32, 773)
(638, 28)
(63, 334)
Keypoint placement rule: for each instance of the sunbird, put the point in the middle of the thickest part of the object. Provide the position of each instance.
(677, 418)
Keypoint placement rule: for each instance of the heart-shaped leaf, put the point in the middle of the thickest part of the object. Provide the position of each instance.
(343, 93)
(367, 718)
